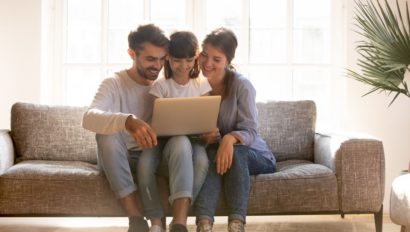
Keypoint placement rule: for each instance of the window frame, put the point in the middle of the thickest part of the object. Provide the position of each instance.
(54, 78)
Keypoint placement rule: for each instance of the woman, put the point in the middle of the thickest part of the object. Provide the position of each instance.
(241, 152)
(183, 160)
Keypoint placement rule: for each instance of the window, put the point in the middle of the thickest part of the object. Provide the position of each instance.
(289, 49)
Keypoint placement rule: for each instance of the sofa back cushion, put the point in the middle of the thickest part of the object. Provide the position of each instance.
(43, 132)
(288, 127)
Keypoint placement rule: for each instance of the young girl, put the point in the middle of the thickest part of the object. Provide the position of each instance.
(184, 161)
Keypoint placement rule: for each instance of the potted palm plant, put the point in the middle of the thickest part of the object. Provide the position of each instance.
(385, 48)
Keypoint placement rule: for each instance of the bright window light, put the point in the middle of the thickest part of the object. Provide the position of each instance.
(287, 48)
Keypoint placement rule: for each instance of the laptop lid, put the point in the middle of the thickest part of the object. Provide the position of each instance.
(185, 115)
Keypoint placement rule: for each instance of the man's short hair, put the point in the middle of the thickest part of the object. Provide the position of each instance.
(147, 33)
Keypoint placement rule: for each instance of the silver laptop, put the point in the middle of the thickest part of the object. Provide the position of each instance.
(185, 115)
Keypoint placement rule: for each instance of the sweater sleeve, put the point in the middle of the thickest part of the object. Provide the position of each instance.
(102, 117)
(246, 124)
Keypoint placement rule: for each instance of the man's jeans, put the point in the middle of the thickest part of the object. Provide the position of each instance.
(236, 183)
(118, 163)
(183, 161)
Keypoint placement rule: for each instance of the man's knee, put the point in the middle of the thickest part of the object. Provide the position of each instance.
(108, 142)
(112, 151)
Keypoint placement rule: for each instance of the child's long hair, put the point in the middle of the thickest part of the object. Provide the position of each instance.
(183, 44)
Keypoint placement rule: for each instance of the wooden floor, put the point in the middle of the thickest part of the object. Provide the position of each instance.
(316, 223)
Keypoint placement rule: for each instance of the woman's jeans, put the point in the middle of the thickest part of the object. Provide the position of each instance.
(235, 182)
(185, 163)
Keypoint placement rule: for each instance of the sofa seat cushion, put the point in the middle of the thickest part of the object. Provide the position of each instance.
(43, 132)
(298, 186)
(56, 187)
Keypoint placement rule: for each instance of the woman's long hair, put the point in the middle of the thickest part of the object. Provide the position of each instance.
(225, 40)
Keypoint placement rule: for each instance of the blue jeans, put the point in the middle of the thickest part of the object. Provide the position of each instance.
(118, 163)
(235, 182)
(186, 165)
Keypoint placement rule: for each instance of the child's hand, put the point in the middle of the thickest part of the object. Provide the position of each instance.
(210, 137)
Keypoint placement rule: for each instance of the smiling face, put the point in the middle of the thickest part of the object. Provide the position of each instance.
(181, 67)
(148, 61)
(212, 62)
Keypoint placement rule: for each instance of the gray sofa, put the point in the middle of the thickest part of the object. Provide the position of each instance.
(48, 166)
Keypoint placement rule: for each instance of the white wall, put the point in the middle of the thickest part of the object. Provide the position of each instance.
(371, 114)
(20, 45)
(20, 32)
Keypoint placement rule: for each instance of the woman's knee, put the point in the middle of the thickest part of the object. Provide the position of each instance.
(240, 156)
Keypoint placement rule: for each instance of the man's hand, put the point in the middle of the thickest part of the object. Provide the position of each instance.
(223, 158)
(141, 131)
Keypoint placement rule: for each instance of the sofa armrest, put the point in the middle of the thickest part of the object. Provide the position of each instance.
(6, 151)
(358, 162)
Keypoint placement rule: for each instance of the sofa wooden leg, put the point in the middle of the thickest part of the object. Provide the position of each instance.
(378, 220)
(342, 215)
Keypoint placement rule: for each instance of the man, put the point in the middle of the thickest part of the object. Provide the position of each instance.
(118, 116)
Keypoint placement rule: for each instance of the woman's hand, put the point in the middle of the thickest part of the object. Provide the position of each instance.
(210, 137)
(223, 158)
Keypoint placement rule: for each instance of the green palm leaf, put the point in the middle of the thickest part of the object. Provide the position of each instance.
(385, 48)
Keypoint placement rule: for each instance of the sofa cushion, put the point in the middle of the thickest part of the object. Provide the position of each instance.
(288, 127)
(57, 188)
(298, 186)
(44, 132)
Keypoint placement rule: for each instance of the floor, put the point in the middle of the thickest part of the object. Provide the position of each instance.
(316, 223)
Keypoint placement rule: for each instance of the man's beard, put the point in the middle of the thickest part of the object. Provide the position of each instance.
(146, 74)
